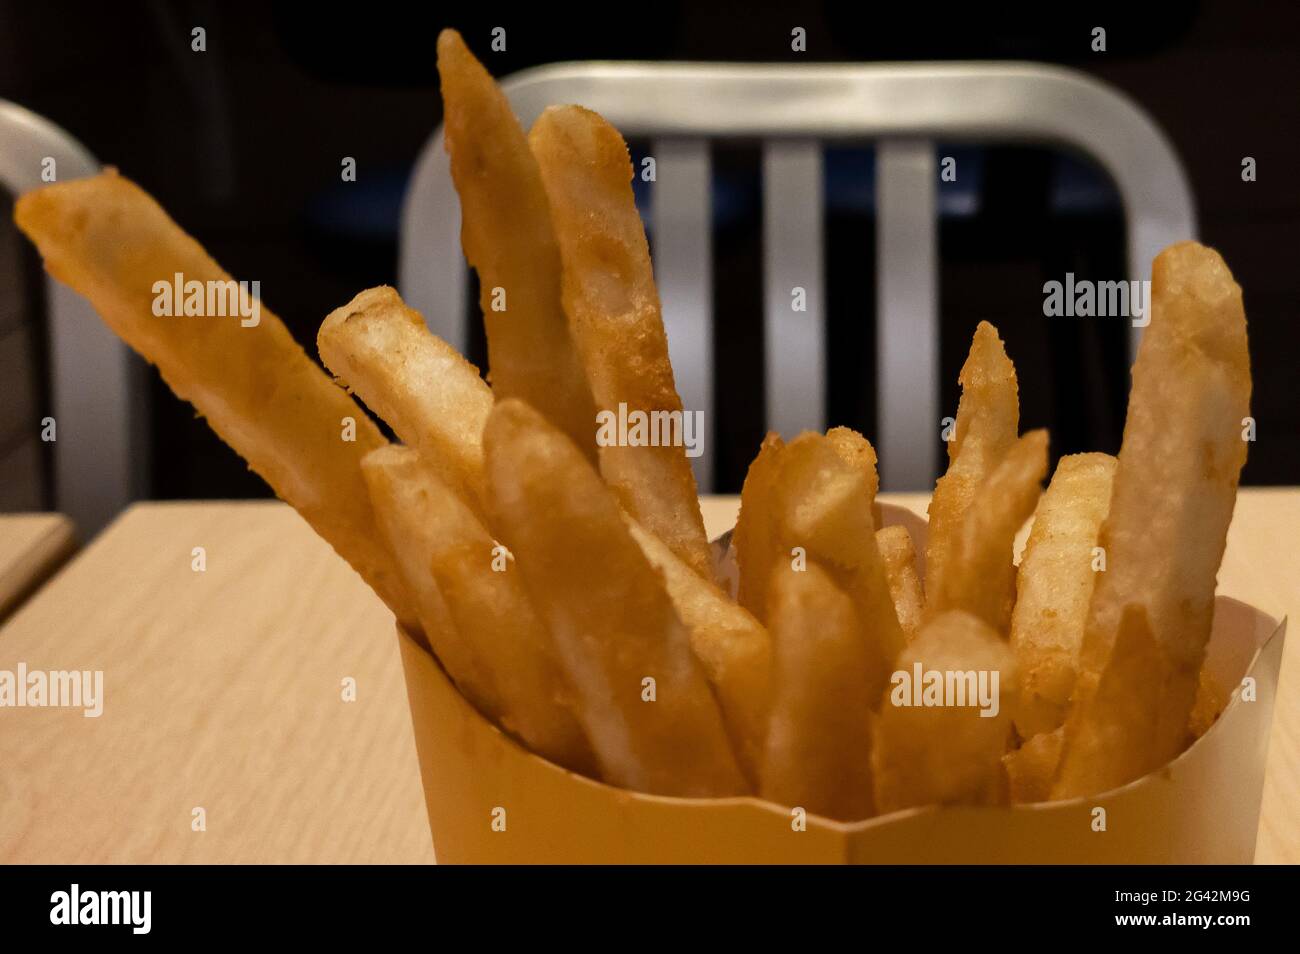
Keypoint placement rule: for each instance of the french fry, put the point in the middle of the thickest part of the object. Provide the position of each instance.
(821, 506)
(642, 696)
(1211, 700)
(733, 648)
(899, 556)
(1130, 693)
(431, 396)
(819, 739)
(754, 539)
(613, 307)
(822, 503)
(107, 239)
(981, 578)
(857, 451)
(934, 743)
(509, 239)
(1164, 535)
(1054, 583)
(1031, 768)
(481, 624)
(396, 503)
(836, 681)
(988, 419)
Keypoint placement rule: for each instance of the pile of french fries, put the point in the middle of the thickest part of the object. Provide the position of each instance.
(569, 589)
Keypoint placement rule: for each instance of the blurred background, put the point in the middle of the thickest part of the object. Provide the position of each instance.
(242, 145)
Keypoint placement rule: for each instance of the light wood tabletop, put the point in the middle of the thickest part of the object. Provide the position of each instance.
(32, 546)
(224, 691)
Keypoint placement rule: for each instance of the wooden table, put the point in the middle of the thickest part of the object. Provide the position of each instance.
(32, 546)
(223, 692)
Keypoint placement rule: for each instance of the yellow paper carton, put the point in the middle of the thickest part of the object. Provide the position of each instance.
(490, 800)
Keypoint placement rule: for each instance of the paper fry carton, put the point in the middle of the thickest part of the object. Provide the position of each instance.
(490, 800)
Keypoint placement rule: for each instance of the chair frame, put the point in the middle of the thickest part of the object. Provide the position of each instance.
(100, 456)
(96, 400)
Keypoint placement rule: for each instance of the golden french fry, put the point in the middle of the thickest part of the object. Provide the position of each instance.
(480, 623)
(1164, 535)
(475, 616)
(899, 556)
(110, 241)
(433, 398)
(988, 419)
(981, 579)
(819, 738)
(1031, 768)
(754, 539)
(822, 512)
(398, 492)
(945, 721)
(1053, 586)
(857, 451)
(613, 307)
(642, 696)
(1211, 700)
(822, 503)
(1098, 754)
(732, 646)
(509, 239)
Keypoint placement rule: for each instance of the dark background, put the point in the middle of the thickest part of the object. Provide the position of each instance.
(242, 145)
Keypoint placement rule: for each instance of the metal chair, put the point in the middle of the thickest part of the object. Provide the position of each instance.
(793, 109)
(96, 455)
